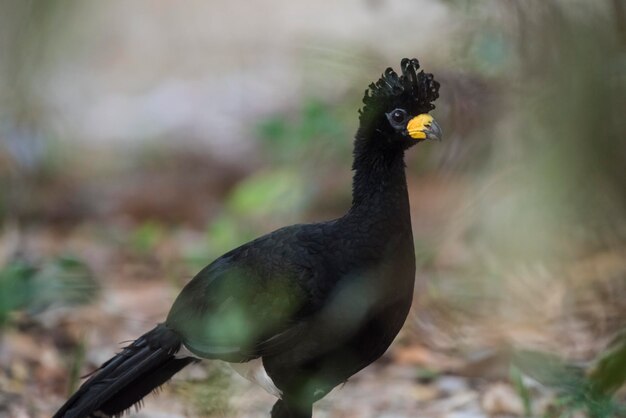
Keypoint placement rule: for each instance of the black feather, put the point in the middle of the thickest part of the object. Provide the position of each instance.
(125, 379)
(419, 90)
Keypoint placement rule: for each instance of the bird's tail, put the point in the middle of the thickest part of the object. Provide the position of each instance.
(125, 379)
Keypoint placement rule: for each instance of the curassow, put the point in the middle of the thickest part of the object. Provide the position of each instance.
(305, 307)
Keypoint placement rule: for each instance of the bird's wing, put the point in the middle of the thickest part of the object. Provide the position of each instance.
(250, 302)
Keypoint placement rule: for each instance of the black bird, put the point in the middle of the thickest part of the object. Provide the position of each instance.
(305, 307)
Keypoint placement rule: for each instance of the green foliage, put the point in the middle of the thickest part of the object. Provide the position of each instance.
(276, 193)
(225, 233)
(15, 289)
(76, 364)
(608, 373)
(273, 197)
(425, 374)
(62, 281)
(591, 392)
(145, 237)
(490, 52)
(318, 127)
(595, 406)
(549, 369)
(521, 389)
(280, 196)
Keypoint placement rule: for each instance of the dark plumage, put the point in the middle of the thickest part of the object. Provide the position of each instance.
(315, 303)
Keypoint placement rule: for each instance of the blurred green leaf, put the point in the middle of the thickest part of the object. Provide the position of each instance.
(578, 390)
(146, 236)
(426, 375)
(224, 233)
(490, 52)
(549, 369)
(62, 281)
(274, 130)
(275, 193)
(77, 360)
(608, 373)
(16, 289)
(275, 197)
(521, 389)
(317, 128)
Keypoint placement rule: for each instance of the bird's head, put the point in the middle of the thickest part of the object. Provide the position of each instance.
(396, 107)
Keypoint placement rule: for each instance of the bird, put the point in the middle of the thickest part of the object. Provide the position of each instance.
(303, 308)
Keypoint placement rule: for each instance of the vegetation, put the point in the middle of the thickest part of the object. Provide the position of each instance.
(520, 211)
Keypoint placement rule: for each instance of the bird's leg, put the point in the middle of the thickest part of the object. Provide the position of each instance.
(285, 409)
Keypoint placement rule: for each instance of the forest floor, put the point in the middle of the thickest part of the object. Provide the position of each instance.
(451, 360)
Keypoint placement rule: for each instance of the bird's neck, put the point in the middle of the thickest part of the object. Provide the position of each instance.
(379, 187)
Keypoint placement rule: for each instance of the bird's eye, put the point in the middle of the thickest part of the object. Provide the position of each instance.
(397, 117)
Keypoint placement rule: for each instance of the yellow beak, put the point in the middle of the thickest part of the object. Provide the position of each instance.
(424, 127)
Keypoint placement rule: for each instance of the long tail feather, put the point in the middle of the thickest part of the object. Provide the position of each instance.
(126, 378)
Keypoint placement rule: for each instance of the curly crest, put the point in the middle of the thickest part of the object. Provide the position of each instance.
(417, 89)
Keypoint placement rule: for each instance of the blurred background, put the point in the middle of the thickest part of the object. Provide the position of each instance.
(140, 140)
